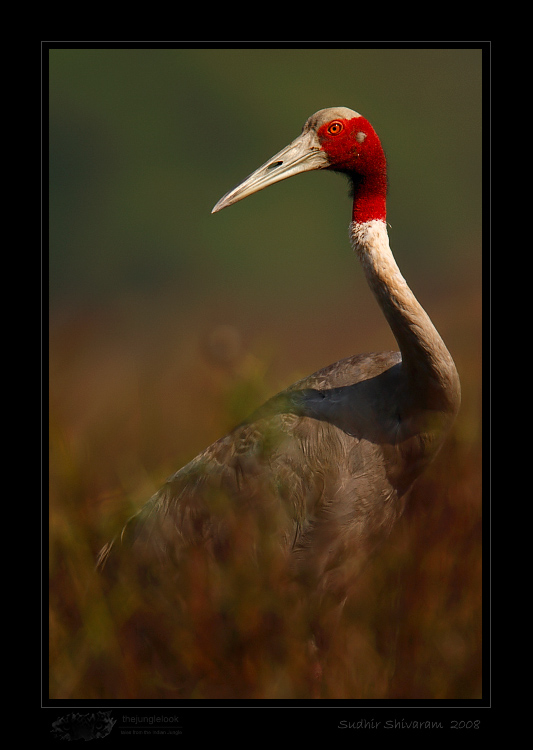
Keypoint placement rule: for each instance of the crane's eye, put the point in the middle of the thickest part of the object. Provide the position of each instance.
(335, 127)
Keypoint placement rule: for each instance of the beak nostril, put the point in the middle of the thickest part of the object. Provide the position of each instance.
(301, 155)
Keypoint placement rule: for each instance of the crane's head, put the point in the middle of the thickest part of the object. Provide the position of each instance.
(336, 138)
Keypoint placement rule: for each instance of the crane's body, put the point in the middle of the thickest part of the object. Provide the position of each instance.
(324, 467)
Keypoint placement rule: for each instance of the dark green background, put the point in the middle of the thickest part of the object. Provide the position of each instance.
(143, 142)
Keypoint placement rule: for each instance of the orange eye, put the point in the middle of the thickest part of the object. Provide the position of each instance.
(334, 128)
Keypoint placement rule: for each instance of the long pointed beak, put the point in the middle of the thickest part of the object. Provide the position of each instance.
(302, 155)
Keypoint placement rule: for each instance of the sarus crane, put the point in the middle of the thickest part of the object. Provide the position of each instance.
(302, 492)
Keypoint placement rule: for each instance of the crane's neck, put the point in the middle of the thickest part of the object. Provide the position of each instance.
(370, 195)
(429, 369)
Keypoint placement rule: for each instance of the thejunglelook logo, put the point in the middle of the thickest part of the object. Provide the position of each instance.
(83, 726)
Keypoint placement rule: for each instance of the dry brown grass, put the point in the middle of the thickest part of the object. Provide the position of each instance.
(128, 407)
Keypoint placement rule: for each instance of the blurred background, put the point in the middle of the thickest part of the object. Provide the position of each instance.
(168, 324)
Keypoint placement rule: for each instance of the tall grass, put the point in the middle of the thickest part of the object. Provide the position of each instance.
(126, 411)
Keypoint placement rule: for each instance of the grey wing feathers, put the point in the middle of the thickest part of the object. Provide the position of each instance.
(270, 476)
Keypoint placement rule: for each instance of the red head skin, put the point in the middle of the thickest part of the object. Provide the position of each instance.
(353, 147)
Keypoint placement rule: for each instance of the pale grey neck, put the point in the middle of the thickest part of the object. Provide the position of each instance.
(426, 361)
